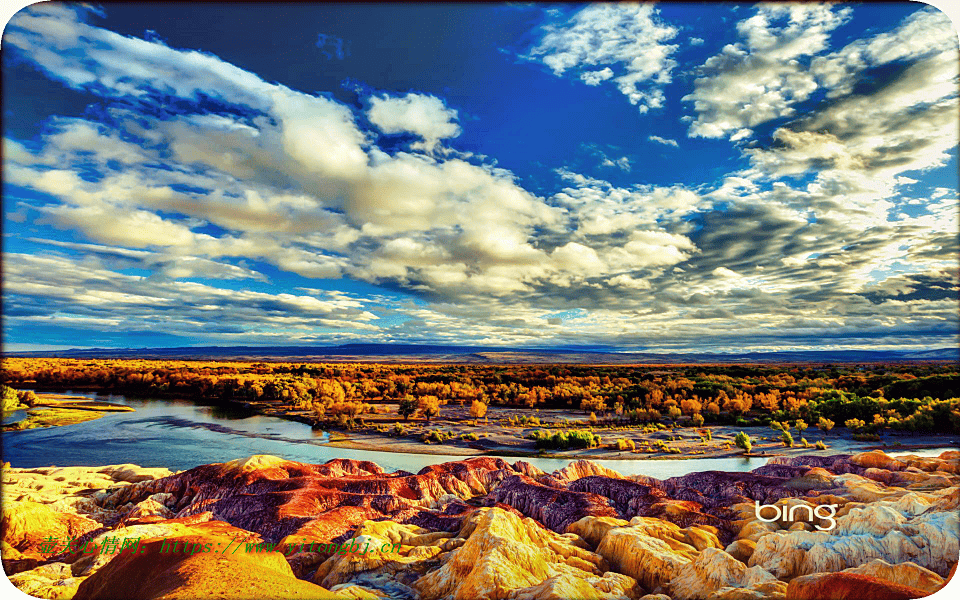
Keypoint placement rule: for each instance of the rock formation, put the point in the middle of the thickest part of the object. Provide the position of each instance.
(483, 528)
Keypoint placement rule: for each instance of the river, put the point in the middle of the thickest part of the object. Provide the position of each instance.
(181, 434)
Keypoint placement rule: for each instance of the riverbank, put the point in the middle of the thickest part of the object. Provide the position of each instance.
(453, 432)
(57, 410)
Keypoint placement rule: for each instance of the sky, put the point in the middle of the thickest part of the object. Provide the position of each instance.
(631, 177)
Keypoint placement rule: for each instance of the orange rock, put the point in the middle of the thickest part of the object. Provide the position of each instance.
(908, 573)
(848, 586)
(26, 524)
(152, 575)
(877, 459)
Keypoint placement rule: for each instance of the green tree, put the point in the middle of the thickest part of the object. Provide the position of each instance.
(800, 425)
(743, 441)
(825, 424)
(408, 406)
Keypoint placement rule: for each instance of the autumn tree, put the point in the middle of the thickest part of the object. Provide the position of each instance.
(478, 410)
(690, 406)
(673, 413)
(429, 406)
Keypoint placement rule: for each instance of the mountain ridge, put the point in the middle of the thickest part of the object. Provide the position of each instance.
(366, 352)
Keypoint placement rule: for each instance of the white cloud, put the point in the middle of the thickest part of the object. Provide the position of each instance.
(294, 181)
(664, 141)
(596, 77)
(922, 34)
(420, 114)
(627, 40)
(763, 76)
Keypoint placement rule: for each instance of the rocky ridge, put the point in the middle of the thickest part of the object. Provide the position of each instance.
(486, 528)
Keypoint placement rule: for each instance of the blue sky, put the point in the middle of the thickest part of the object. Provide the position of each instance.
(638, 177)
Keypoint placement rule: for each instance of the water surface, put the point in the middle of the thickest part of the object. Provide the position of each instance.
(181, 435)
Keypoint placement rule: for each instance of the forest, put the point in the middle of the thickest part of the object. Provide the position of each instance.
(865, 398)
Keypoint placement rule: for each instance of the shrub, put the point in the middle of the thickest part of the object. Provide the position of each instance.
(696, 420)
(563, 440)
(398, 429)
(11, 399)
(625, 444)
(787, 439)
(470, 437)
(820, 445)
(855, 424)
(432, 437)
(743, 441)
(804, 442)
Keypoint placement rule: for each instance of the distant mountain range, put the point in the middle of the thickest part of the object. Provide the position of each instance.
(493, 355)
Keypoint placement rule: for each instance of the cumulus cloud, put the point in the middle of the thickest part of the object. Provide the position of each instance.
(908, 123)
(628, 41)
(256, 172)
(420, 114)
(764, 75)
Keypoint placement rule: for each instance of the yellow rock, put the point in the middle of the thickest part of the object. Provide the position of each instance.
(415, 546)
(755, 530)
(649, 550)
(252, 463)
(592, 529)
(579, 469)
(765, 591)
(702, 538)
(908, 529)
(815, 478)
(508, 556)
(567, 586)
(741, 550)
(715, 569)
(356, 592)
(908, 573)
(26, 524)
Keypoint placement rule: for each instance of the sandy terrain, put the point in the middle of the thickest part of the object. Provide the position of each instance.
(54, 410)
